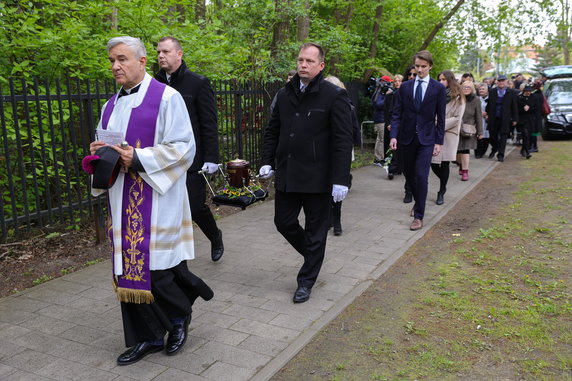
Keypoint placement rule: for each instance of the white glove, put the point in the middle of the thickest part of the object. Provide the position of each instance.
(266, 171)
(339, 192)
(209, 167)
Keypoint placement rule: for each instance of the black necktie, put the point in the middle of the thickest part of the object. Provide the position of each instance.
(418, 94)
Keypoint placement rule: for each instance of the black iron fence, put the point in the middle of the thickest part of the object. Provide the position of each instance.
(45, 131)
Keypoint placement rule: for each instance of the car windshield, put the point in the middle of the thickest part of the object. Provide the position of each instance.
(560, 93)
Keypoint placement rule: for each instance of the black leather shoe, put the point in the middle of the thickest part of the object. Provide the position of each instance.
(177, 337)
(136, 353)
(337, 230)
(390, 176)
(408, 198)
(492, 154)
(302, 294)
(217, 248)
(440, 198)
(500, 158)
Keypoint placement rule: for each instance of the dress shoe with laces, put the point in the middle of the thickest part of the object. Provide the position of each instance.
(136, 353)
(408, 198)
(177, 337)
(217, 248)
(416, 224)
(302, 294)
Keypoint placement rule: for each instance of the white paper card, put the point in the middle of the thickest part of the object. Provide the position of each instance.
(112, 138)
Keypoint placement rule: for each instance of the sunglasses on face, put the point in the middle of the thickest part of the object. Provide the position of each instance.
(413, 74)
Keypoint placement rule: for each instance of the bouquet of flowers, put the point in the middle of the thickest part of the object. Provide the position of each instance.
(233, 192)
(387, 161)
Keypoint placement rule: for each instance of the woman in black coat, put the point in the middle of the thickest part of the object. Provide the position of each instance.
(527, 109)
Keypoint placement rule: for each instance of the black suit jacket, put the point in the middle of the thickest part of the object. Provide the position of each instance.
(308, 140)
(509, 111)
(201, 105)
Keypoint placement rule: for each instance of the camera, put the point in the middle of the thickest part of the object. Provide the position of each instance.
(378, 85)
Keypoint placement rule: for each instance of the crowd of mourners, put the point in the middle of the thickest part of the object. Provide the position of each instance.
(479, 116)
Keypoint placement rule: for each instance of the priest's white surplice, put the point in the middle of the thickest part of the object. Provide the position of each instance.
(166, 165)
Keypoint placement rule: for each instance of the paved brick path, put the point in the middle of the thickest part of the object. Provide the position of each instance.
(70, 327)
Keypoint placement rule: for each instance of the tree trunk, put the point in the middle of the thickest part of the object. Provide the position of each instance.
(113, 18)
(200, 10)
(373, 44)
(280, 32)
(564, 31)
(303, 23)
(440, 25)
(341, 19)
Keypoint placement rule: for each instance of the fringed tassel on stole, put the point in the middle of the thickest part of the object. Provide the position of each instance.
(129, 295)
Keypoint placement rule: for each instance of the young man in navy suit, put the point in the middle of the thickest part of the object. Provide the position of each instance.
(418, 122)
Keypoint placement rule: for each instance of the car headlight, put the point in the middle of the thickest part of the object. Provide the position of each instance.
(556, 117)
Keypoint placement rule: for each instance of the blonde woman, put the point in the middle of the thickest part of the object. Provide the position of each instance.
(473, 115)
(453, 116)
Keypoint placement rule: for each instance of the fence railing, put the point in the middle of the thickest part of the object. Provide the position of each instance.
(45, 131)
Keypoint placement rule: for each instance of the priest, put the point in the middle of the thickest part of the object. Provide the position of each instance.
(150, 225)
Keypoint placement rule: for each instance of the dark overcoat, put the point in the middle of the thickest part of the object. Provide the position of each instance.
(527, 118)
(308, 140)
(509, 112)
(199, 98)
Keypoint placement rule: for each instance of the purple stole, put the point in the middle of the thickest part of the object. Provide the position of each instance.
(134, 286)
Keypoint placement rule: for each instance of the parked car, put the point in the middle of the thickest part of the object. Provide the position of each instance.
(558, 92)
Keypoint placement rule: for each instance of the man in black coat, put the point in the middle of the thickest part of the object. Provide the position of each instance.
(308, 142)
(502, 116)
(199, 98)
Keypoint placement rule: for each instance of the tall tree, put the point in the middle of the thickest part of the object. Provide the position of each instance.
(303, 22)
(373, 44)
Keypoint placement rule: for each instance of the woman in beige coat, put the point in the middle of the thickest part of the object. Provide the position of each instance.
(453, 116)
(473, 116)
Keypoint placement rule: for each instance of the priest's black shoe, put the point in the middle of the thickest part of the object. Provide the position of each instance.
(136, 353)
(302, 294)
(217, 249)
(408, 198)
(178, 336)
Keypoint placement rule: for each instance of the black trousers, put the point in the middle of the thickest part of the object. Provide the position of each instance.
(482, 147)
(202, 215)
(416, 165)
(175, 290)
(309, 241)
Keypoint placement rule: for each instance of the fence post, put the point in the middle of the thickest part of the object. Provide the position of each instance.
(238, 119)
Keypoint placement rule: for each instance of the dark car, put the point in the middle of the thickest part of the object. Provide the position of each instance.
(558, 92)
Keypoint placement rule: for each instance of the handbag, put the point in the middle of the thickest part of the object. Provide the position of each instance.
(545, 106)
(468, 130)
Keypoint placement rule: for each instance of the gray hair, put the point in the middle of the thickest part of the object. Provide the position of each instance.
(135, 44)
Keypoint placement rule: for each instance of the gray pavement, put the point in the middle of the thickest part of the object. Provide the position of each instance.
(70, 327)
